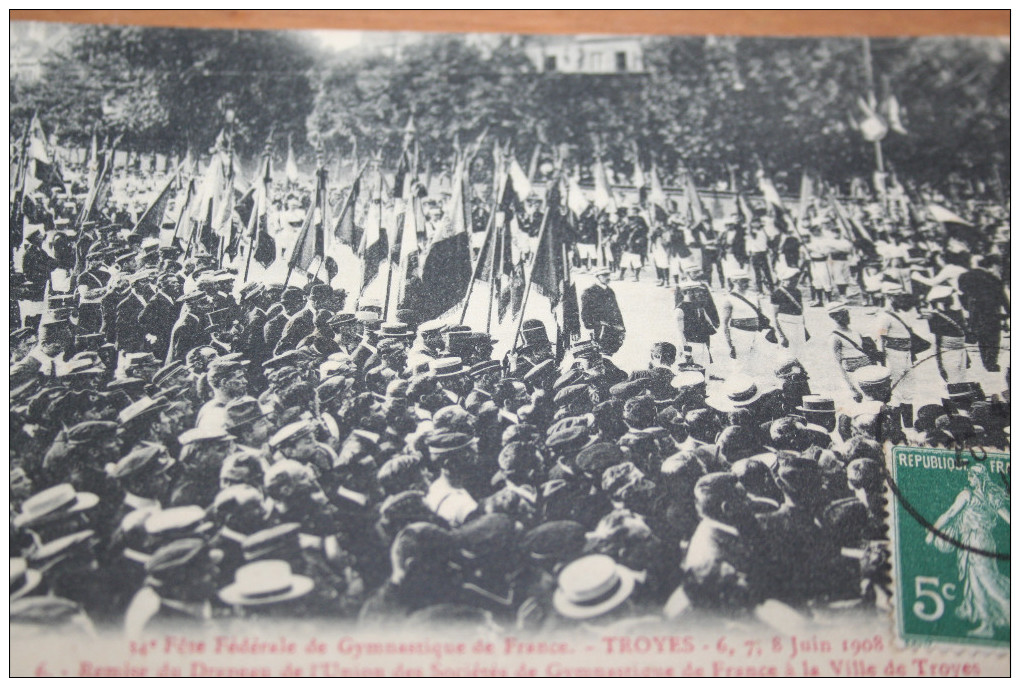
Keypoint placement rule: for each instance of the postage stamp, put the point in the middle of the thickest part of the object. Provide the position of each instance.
(952, 545)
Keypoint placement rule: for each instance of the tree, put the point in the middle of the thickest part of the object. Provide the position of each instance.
(164, 89)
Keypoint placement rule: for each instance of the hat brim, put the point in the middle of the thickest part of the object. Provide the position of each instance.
(32, 580)
(83, 501)
(806, 410)
(724, 404)
(299, 586)
(573, 610)
(447, 375)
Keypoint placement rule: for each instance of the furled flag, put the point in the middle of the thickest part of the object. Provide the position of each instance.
(656, 194)
(768, 190)
(346, 231)
(374, 241)
(639, 174)
(944, 216)
(446, 265)
(891, 112)
(210, 193)
(402, 181)
(43, 171)
(550, 271)
(696, 211)
(872, 127)
(604, 199)
(807, 195)
(576, 200)
(264, 244)
(290, 169)
(310, 247)
(152, 219)
(185, 225)
(92, 162)
(519, 180)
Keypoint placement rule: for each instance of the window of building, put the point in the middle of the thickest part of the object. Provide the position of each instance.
(621, 61)
(550, 63)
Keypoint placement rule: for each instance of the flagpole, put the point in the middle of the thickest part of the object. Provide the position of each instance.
(531, 277)
(184, 207)
(489, 229)
(869, 75)
(253, 221)
(492, 258)
(492, 281)
(477, 265)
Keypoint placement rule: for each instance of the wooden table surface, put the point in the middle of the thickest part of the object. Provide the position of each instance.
(734, 22)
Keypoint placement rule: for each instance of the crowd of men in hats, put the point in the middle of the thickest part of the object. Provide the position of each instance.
(184, 451)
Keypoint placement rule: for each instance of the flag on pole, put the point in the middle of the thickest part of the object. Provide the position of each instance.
(290, 169)
(151, 221)
(891, 112)
(656, 194)
(374, 241)
(346, 231)
(550, 273)
(872, 127)
(310, 247)
(446, 266)
(576, 200)
(519, 180)
(43, 171)
(639, 174)
(604, 199)
(696, 211)
(260, 240)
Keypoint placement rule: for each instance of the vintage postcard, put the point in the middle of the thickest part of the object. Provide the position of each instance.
(407, 354)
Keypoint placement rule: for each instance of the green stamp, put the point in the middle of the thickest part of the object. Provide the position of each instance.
(951, 525)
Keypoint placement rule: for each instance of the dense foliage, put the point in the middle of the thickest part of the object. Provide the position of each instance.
(715, 105)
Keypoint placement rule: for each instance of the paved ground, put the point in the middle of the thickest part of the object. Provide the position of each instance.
(648, 314)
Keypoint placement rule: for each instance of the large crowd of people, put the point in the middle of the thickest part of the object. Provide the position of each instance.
(186, 448)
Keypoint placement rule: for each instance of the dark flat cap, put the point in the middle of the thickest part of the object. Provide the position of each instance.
(487, 535)
(595, 459)
(559, 540)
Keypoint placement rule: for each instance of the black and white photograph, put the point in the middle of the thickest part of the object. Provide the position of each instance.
(526, 334)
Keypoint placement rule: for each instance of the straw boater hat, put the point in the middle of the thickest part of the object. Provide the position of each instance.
(592, 586)
(739, 391)
(444, 368)
(265, 582)
(54, 503)
(23, 578)
(818, 404)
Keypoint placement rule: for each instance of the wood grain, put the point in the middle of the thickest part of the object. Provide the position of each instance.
(734, 22)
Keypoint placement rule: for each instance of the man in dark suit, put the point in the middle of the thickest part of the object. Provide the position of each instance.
(160, 314)
(129, 331)
(190, 330)
(721, 562)
(985, 300)
(599, 306)
(304, 323)
(290, 305)
(803, 560)
(37, 266)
